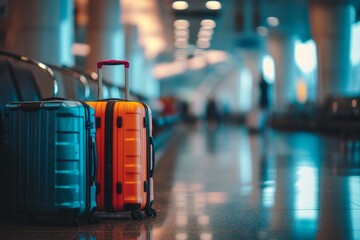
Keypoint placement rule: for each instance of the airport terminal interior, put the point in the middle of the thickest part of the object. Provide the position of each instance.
(255, 112)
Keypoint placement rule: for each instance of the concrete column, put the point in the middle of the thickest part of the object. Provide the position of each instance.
(253, 63)
(282, 49)
(134, 54)
(41, 29)
(331, 30)
(105, 36)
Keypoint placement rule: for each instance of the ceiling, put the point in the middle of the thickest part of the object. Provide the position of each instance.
(241, 23)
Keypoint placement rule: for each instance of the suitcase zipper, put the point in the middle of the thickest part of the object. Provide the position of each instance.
(108, 180)
(149, 143)
(89, 157)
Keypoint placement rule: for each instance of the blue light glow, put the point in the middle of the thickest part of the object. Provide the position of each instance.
(245, 89)
(354, 187)
(66, 33)
(245, 167)
(306, 193)
(355, 44)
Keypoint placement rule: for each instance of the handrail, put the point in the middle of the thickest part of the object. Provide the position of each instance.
(76, 75)
(41, 65)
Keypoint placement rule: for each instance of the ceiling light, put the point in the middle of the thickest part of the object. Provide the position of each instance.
(213, 5)
(182, 39)
(181, 32)
(208, 23)
(181, 43)
(181, 24)
(262, 31)
(180, 5)
(205, 32)
(203, 43)
(81, 49)
(273, 21)
(181, 35)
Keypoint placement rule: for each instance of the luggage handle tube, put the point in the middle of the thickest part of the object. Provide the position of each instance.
(126, 64)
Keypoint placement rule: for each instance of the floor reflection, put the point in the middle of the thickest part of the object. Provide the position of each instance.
(223, 183)
(229, 184)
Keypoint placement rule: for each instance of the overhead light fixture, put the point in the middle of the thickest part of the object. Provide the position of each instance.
(262, 31)
(208, 23)
(181, 43)
(203, 43)
(181, 24)
(205, 32)
(213, 5)
(81, 49)
(273, 21)
(181, 33)
(180, 5)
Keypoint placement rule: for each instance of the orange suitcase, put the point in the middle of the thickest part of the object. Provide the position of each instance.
(126, 152)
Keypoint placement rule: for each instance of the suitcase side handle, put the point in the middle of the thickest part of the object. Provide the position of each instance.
(100, 64)
(152, 157)
(94, 161)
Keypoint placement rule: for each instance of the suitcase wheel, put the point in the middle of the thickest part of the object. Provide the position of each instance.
(72, 221)
(136, 215)
(32, 218)
(149, 211)
(93, 218)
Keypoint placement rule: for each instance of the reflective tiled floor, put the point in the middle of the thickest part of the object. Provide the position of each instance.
(224, 183)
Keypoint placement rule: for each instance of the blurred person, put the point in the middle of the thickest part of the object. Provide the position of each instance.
(264, 93)
(212, 113)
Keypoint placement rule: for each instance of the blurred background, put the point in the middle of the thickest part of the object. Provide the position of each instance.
(292, 54)
(258, 65)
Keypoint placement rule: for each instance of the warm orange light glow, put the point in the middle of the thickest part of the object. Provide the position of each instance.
(81, 49)
(216, 56)
(145, 16)
(82, 17)
(354, 103)
(196, 62)
(164, 70)
(217, 197)
(301, 90)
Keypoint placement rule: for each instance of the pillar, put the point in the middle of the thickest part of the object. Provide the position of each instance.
(41, 29)
(282, 49)
(331, 30)
(105, 37)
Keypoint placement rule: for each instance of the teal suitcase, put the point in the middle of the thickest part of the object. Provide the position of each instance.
(54, 161)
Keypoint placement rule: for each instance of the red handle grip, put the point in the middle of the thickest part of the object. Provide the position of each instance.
(113, 62)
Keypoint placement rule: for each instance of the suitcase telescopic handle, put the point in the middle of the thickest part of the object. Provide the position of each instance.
(126, 64)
